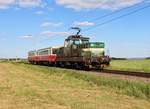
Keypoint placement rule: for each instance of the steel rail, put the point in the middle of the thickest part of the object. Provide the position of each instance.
(129, 73)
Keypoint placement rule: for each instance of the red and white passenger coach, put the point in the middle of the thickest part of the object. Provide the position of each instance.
(47, 55)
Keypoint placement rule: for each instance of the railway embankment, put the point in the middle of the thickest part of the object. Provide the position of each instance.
(30, 86)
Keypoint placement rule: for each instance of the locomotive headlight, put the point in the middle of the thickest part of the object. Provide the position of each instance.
(97, 52)
(86, 52)
(74, 46)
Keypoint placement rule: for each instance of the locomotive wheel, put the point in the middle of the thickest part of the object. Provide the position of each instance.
(102, 67)
(57, 64)
(76, 66)
(62, 64)
(87, 68)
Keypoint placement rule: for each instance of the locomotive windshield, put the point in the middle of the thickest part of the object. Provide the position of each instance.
(79, 41)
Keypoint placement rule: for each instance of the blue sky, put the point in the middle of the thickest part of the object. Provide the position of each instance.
(31, 24)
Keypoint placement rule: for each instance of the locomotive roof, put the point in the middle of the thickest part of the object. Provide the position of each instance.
(74, 37)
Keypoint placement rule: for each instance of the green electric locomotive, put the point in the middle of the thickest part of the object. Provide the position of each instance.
(79, 52)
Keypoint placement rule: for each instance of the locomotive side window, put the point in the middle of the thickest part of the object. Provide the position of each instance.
(54, 51)
(70, 43)
(85, 41)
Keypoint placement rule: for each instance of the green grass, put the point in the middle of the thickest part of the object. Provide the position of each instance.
(141, 90)
(28, 86)
(131, 65)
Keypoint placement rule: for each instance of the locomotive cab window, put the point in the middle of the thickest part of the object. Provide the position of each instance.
(77, 42)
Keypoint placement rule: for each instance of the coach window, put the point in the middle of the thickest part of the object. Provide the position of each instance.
(49, 51)
(43, 52)
(32, 54)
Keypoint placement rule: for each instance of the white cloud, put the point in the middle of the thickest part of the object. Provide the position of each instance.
(101, 4)
(74, 4)
(30, 3)
(3, 39)
(49, 33)
(85, 23)
(48, 24)
(27, 36)
(17, 8)
(4, 4)
(39, 12)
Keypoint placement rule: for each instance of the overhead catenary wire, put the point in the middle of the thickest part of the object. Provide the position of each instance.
(112, 13)
(117, 11)
(117, 18)
(114, 19)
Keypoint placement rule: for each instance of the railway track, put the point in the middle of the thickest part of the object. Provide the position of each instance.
(129, 73)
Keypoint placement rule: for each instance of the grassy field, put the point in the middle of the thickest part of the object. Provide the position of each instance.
(131, 65)
(25, 86)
